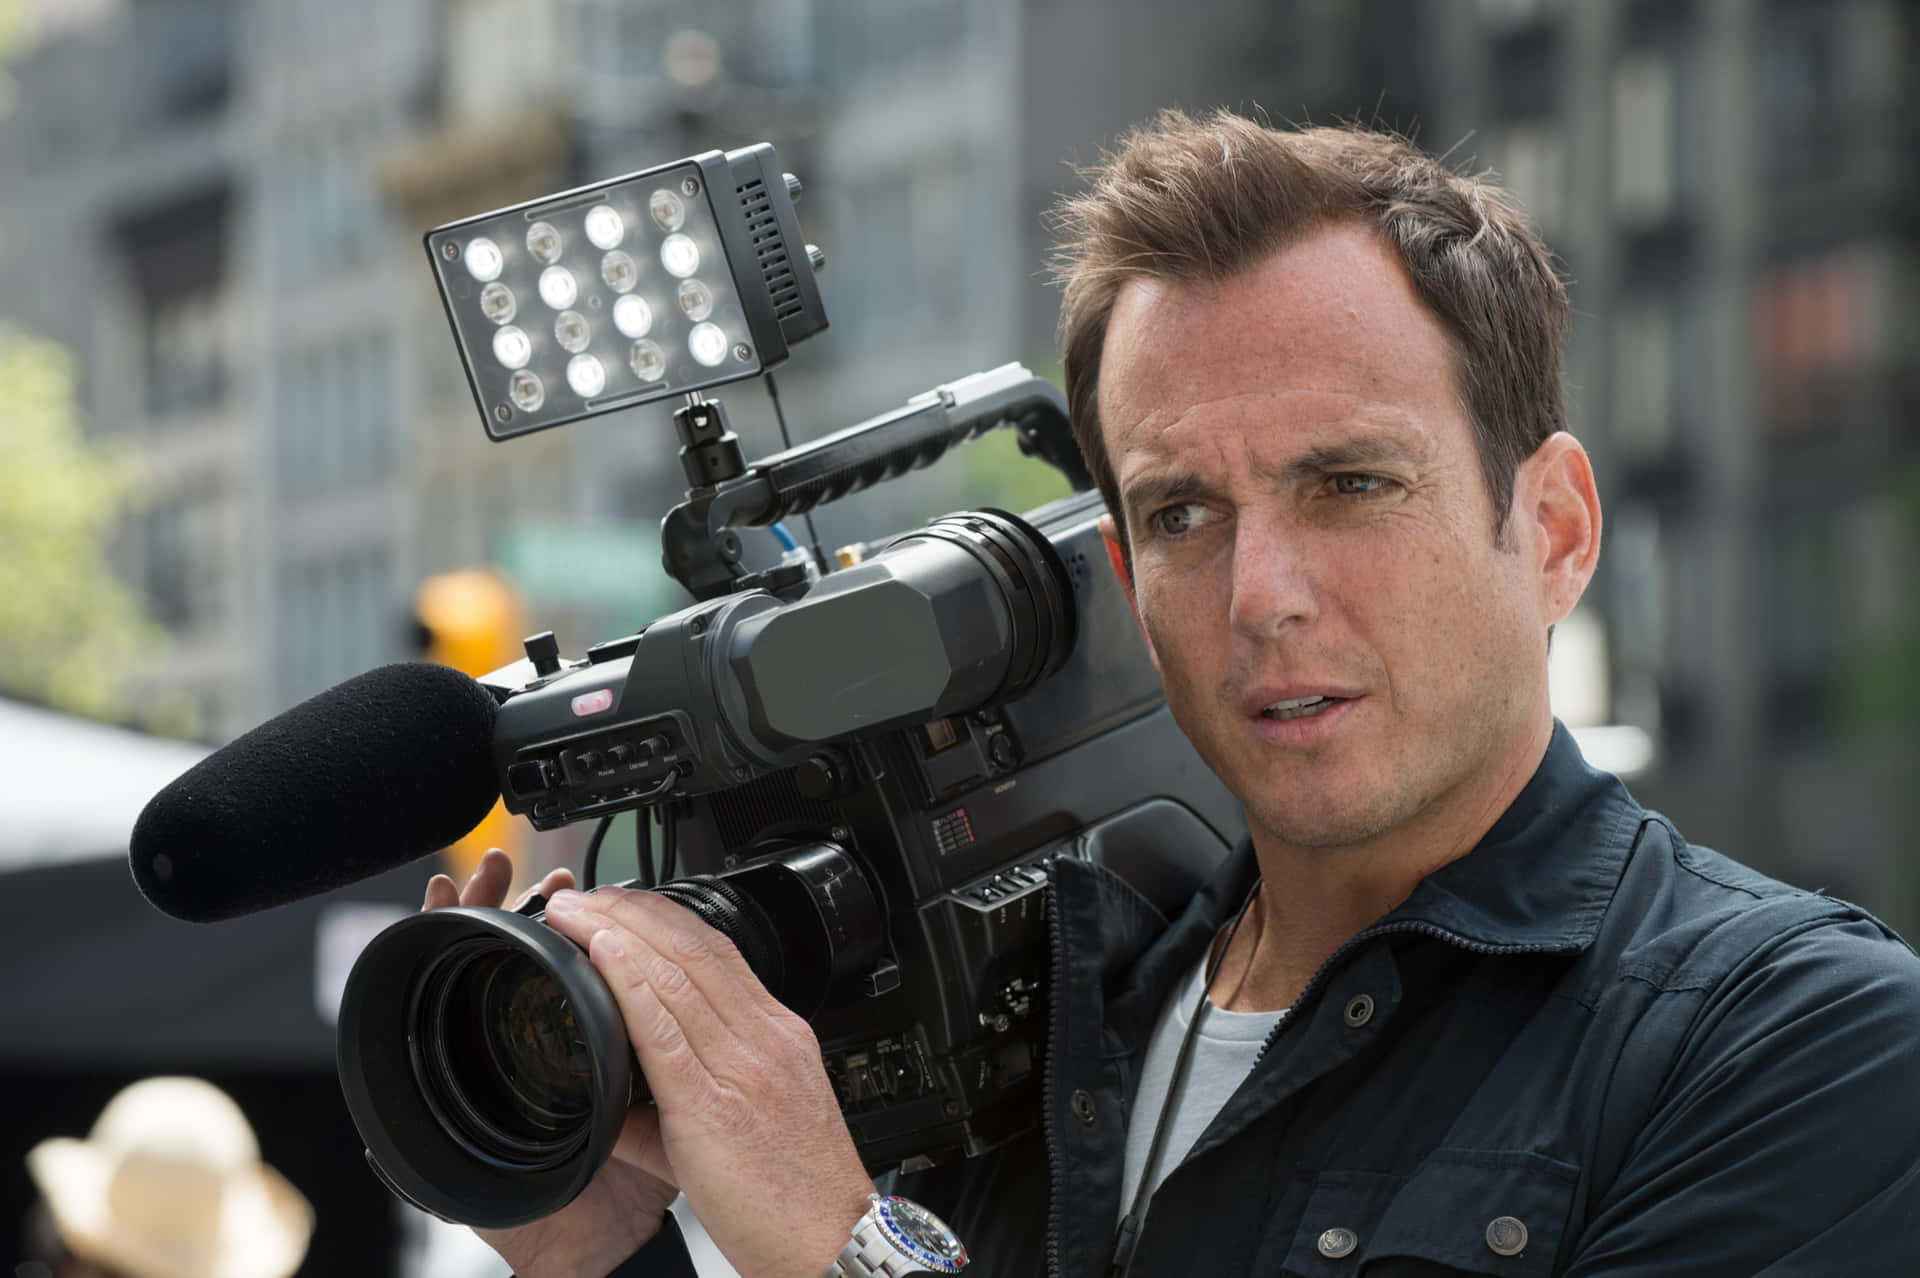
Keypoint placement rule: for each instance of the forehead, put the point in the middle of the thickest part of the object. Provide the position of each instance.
(1311, 342)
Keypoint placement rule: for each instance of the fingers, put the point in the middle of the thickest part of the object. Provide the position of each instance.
(696, 1013)
(491, 879)
(441, 893)
(560, 880)
(489, 884)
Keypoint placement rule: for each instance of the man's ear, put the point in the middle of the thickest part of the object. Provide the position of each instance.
(1559, 499)
(1117, 556)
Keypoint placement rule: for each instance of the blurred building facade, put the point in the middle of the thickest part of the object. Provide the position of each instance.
(225, 202)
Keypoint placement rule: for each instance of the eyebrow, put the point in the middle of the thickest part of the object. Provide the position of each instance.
(1360, 450)
(1348, 454)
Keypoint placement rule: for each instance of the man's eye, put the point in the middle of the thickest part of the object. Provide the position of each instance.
(1358, 485)
(1173, 520)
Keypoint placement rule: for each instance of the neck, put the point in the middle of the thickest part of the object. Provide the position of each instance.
(1312, 900)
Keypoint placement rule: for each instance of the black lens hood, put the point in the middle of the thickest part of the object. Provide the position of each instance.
(408, 1147)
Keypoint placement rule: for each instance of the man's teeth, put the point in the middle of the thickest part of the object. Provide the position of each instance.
(1298, 707)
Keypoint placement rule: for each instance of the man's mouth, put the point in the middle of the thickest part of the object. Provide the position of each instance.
(1300, 707)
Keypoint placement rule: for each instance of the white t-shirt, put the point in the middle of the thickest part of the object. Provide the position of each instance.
(1224, 1049)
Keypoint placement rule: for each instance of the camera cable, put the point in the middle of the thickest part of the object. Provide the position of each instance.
(786, 441)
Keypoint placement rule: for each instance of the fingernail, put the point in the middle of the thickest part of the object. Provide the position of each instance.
(605, 940)
(565, 902)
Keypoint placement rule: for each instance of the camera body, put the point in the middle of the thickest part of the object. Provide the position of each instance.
(934, 1045)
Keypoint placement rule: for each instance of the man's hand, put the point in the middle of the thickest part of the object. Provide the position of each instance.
(747, 1122)
(624, 1204)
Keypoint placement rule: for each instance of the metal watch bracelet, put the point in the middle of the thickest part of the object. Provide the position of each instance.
(874, 1251)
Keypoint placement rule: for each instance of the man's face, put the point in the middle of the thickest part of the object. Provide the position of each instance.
(1314, 563)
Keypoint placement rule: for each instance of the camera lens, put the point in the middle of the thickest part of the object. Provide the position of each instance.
(486, 1064)
(500, 1056)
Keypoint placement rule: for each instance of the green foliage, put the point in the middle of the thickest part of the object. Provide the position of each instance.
(69, 629)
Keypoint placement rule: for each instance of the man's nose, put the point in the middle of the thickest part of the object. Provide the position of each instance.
(1273, 577)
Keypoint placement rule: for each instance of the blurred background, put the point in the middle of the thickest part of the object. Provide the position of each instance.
(239, 461)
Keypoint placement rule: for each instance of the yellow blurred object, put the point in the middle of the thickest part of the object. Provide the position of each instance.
(472, 620)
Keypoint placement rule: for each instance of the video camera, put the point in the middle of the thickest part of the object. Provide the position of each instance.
(862, 775)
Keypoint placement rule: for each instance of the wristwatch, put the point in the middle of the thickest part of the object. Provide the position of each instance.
(898, 1236)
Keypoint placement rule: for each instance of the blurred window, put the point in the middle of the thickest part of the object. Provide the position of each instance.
(916, 237)
(1643, 376)
(503, 56)
(1819, 337)
(1644, 141)
(326, 217)
(871, 285)
(336, 617)
(1499, 14)
(186, 352)
(177, 255)
(333, 428)
(1528, 77)
(863, 37)
(185, 557)
(181, 60)
(1533, 166)
(1638, 581)
(1831, 75)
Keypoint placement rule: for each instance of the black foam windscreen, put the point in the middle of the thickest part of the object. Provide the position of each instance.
(373, 773)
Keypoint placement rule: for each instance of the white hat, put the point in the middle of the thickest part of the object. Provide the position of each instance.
(169, 1184)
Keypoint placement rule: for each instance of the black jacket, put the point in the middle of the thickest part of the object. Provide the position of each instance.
(1588, 1040)
(1628, 1054)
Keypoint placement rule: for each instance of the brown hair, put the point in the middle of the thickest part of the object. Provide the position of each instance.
(1199, 200)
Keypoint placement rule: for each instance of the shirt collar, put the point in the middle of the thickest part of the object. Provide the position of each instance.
(1542, 877)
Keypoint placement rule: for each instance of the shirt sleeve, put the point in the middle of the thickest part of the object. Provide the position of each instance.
(1786, 1140)
(663, 1256)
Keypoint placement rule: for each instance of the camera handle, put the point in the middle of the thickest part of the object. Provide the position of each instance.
(701, 550)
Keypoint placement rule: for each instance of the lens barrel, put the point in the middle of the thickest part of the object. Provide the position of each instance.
(487, 1066)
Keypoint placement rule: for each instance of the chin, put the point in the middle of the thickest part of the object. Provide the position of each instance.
(1309, 818)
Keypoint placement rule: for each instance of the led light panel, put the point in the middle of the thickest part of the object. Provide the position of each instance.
(590, 300)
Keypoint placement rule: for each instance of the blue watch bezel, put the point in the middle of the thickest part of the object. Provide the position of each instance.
(898, 1237)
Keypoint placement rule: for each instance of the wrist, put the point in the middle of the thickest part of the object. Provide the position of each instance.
(897, 1236)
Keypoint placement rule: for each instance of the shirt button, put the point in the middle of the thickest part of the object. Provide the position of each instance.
(1506, 1236)
(1083, 1106)
(1335, 1243)
(1359, 1010)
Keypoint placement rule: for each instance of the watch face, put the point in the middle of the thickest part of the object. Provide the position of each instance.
(923, 1233)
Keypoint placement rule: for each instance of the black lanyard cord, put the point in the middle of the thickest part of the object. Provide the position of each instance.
(1128, 1235)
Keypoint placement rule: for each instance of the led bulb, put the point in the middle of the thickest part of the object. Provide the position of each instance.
(605, 227)
(632, 316)
(679, 255)
(707, 344)
(557, 287)
(619, 271)
(570, 330)
(668, 213)
(497, 304)
(696, 299)
(647, 360)
(483, 258)
(587, 375)
(543, 241)
(512, 347)
(527, 392)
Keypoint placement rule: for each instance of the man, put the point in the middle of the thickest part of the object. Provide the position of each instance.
(1461, 1006)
